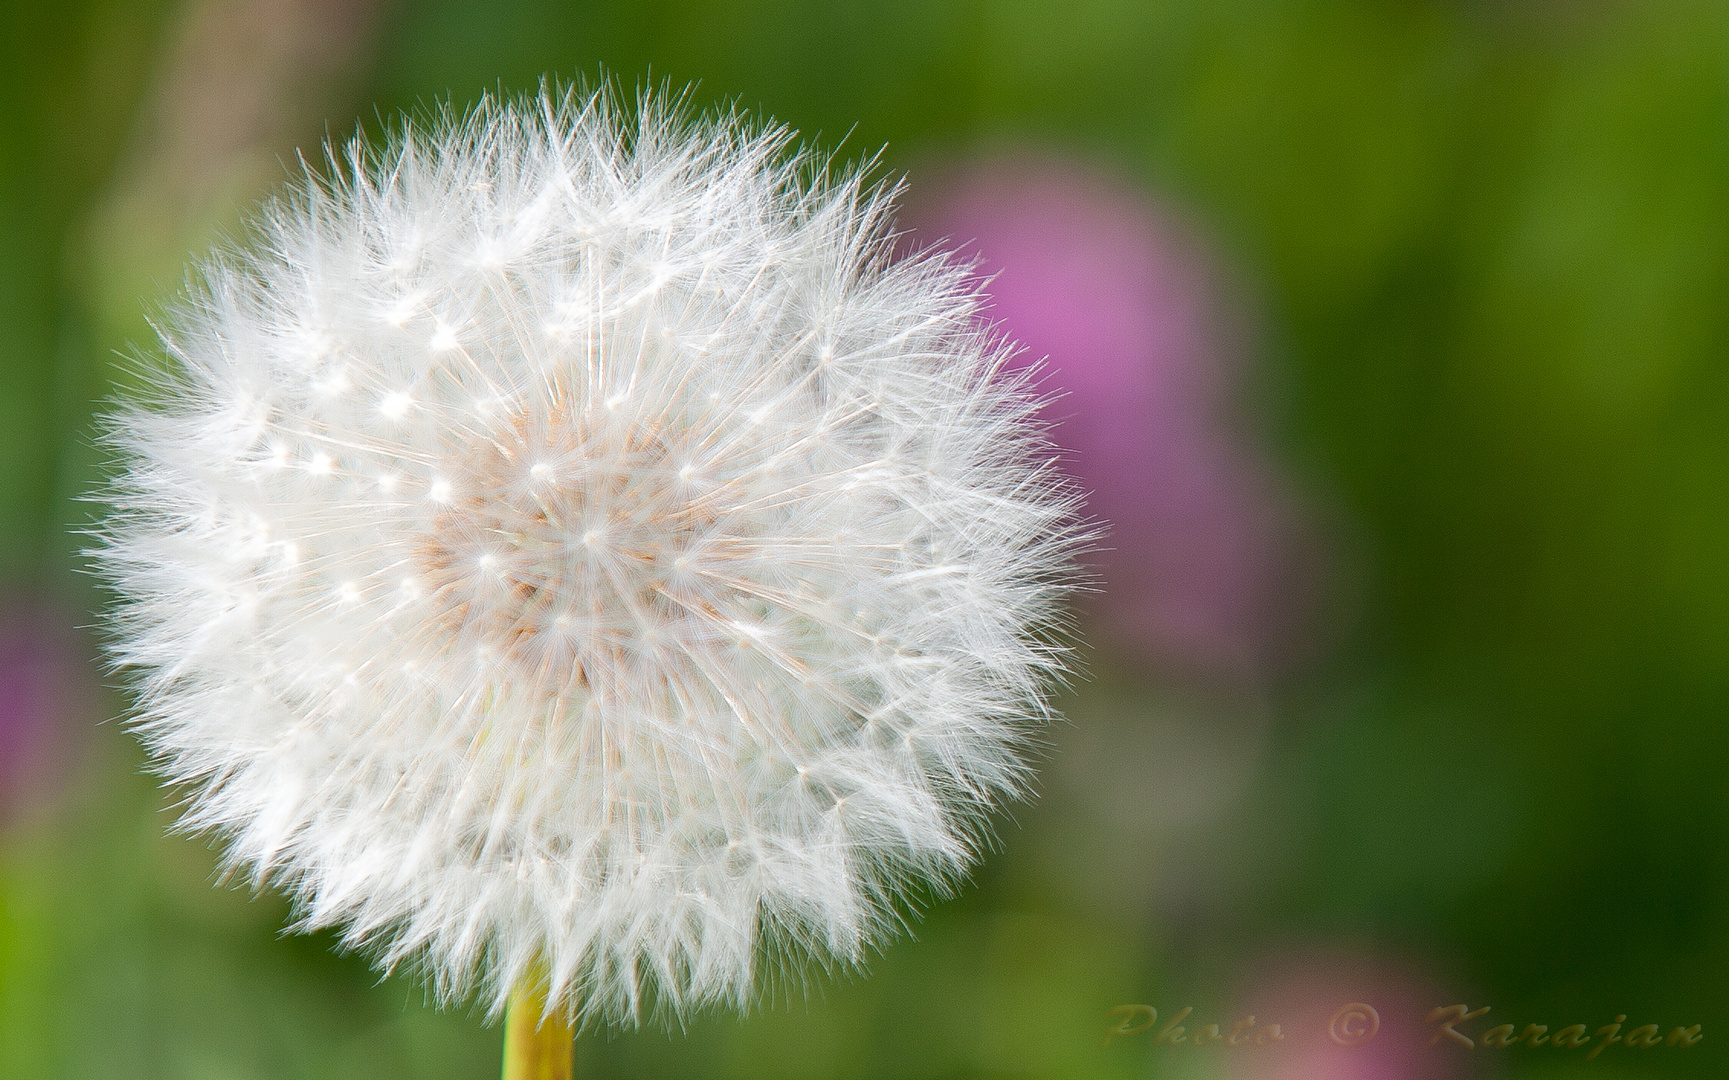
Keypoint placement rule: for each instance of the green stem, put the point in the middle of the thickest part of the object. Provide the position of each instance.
(536, 1048)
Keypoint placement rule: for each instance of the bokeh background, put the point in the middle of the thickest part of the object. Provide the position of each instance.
(1393, 339)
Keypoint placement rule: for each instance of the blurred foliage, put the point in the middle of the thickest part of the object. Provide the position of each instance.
(1489, 245)
(70, 76)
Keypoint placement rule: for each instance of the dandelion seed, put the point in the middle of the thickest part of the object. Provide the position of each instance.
(662, 611)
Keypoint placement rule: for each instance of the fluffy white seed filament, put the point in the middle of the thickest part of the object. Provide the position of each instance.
(572, 544)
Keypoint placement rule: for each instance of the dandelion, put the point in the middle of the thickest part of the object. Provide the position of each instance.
(567, 551)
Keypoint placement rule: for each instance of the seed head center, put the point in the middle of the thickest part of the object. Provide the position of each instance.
(568, 547)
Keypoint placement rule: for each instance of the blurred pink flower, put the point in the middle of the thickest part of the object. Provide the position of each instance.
(1088, 272)
(1317, 1000)
(44, 680)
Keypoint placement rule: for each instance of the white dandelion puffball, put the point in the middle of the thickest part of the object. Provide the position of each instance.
(568, 545)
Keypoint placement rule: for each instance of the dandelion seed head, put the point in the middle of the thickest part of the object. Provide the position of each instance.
(567, 542)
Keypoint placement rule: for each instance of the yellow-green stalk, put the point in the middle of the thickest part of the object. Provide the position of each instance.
(536, 1046)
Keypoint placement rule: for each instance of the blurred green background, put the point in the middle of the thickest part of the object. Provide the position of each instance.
(1481, 250)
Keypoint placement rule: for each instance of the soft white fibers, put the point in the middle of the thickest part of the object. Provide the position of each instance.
(567, 542)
